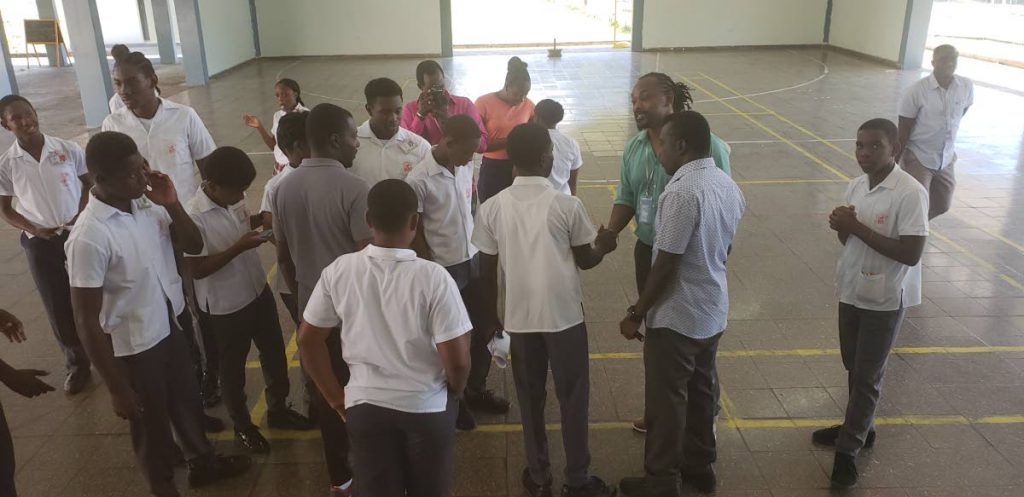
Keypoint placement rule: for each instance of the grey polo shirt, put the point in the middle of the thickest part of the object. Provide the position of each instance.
(319, 209)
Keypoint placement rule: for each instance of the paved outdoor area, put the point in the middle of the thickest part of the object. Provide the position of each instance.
(952, 414)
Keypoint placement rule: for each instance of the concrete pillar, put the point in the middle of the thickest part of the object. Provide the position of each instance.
(255, 28)
(164, 33)
(190, 32)
(637, 43)
(143, 22)
(8, 84)
(48, 11)
(915, 33)
(91, 67)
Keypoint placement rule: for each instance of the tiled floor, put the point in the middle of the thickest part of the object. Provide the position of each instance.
(952, 414)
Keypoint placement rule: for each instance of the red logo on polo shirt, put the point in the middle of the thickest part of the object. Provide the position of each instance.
(171, 149)
(58, 157)
(406, 167)
(881, 219)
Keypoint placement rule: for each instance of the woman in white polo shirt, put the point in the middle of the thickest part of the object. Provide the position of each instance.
(48, 177)
(289, 99)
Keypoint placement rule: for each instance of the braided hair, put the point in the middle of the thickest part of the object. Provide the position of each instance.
(680, 93)
(293, 86)
(139, 61)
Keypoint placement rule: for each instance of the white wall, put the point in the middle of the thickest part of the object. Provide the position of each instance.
(872, 27)
(711, 23)
(120, 21)
(227, 33)
(348, 27)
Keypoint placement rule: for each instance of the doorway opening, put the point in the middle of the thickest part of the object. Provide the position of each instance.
(988, 35)
(540, 23)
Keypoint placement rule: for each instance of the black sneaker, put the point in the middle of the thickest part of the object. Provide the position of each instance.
(288, 419)
(844, 471)
(704, 481)
(828, 436)
(465, 420)
(486, 401)
(594, 487)
(212, 424)
(215, 467)
(252, 440)
(210, 390)
(633, 486)
(534, 489)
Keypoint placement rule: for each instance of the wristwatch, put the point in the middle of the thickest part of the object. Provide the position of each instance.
(633, 316)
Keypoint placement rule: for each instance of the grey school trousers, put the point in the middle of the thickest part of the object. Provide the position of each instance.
(568, 355)
(680, 398)
(865, 340)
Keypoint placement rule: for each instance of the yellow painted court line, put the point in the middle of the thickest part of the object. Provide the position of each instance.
(843, 151)
(728, 408)
(770, 131)
(970, 255)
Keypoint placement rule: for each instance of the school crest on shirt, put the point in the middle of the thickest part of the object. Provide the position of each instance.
(406, 167)
(881, 219)
(172, 149)
(408, 145)
(58, 157)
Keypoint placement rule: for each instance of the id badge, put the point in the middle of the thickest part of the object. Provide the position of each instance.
(645, 212)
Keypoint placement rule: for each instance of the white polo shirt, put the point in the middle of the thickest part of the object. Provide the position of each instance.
(129, 256)
(266, 205)
(115, 103)
(898, 206)
(279, 156)
(48, 190)
(532, 229)
(567, 159)
(938, 112)
(378, 160)
(241, 280)
(446, 204)
(172, 141)
(393, 309)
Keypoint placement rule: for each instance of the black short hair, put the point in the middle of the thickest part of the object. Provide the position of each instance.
(691, 127)
(291, 130)
(426, 67)
(106, 152)
(381, 88)
(549, 111)
(527, 143)
(462, 128)
(8, 100)
(887, 127)
(323, 121)
(230, 167)
(390, 204)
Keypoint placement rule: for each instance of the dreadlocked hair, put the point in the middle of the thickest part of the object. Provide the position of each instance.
(680, 93)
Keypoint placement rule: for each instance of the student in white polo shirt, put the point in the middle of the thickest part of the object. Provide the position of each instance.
(930, 113)
(231, 287)
(444, 186)
(48, 177)
(289, 100)
(568, 159)
(128, 301)
(173, 139)
(883, 226)
(291, 139)
(171, 136)
(540, 237)
(386, 150)
(405, 334)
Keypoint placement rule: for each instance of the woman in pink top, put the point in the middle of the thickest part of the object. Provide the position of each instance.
(501, 111)
(426, 115)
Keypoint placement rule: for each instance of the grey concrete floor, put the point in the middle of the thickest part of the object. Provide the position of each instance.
(952, 413)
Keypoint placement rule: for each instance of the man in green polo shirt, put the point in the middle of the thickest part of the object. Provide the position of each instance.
(642, 179)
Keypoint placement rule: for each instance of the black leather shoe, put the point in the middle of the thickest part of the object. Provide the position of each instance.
(487, 402)
(828, 436)
(214, 467)
(212, 424)
(594, 487)
(633, 486)
(704, 481)
(252, 440)
(288, 419)
(844, 471)
(534, 489)
(465, 420)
